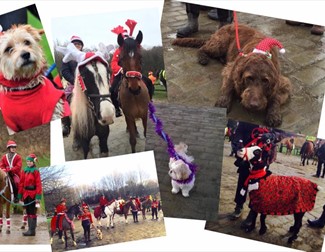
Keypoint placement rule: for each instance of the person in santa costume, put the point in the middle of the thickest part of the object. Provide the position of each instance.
(117, 71)
(86, 222)
(30, 192)
(11, 163)
(103, 202)
(68, 70)
(154, 208)
(60, 211)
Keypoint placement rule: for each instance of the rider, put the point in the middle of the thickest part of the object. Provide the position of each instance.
(68, 70)
(30, 191)
(11, 163)
(118, 71)
(103, 202)
(60, 211)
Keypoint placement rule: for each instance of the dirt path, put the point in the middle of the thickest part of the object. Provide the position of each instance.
(122, 232)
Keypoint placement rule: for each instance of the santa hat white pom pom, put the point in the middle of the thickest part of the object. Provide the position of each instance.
(282, 51)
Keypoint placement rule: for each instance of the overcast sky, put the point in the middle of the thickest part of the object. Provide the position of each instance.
(97, 28)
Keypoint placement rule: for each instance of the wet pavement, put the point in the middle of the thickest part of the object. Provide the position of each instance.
(303, 63)
(16, 237)
(309, 239)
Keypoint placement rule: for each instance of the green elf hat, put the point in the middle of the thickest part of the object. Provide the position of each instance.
(32, 158)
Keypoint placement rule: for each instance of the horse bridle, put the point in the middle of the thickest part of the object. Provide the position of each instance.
(133, 74)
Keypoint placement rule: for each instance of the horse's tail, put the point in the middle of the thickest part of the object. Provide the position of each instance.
(82, 116)
(189, 42)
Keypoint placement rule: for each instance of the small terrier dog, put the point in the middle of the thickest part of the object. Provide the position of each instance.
(182, 178)
(27, 98)
(99, 234)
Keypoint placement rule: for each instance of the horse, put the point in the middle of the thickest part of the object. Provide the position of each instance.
(67, 224)
(145, 206)
(91, 106)
(109, 211)
(133, 92)
(306, 152)
(5, 195)
(289, 143)
(125, 208)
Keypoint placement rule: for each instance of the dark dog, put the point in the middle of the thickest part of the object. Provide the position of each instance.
(255, 78)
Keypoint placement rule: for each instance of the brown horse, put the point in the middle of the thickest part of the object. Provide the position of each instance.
(124, 209)
(133, 93)
(145, 206)
(306, 152)
(4, 199)
(289, 143)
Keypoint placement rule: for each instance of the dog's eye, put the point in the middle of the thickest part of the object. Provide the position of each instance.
(27, 42)
(265, 80)
(9, 49)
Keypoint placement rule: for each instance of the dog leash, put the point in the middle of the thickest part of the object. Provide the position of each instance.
(237, 35)
(170, 145)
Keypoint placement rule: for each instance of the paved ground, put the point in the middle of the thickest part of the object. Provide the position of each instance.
(304, 63)
(201, 129)
(309, 239)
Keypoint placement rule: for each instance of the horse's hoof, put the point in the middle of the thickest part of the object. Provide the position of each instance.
(74, 244)
(292, 239)
(7, 231)
(51, 241)
(62, 239)
(249, 229)
(262, 230)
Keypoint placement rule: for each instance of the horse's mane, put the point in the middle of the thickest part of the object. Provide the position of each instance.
(2, 178)
(82, 117)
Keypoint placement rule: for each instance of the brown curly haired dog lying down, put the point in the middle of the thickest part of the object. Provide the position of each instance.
(254, 78)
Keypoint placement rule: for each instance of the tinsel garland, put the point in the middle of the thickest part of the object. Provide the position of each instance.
(170, 145)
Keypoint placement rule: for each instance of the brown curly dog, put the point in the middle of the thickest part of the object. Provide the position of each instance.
(254, 78)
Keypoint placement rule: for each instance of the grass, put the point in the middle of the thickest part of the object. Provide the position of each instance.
(160, 93)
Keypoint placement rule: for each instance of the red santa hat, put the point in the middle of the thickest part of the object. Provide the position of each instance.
(75, 38)
(265, 46)
(11, 143)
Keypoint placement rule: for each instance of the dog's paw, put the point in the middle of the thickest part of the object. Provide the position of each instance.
(273, 120)
(185, 194)
(175, 191)
(203, 58)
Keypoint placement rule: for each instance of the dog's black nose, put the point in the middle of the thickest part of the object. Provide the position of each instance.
(25, 55)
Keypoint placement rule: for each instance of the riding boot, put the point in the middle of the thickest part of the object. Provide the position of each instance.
(320, 222)
(191, 27)
(31, 227)
(116, 104)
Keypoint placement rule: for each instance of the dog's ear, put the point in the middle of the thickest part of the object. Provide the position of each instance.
(183, 172)
(36, 33)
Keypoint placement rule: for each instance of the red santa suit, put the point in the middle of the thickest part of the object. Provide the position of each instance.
(86, 216)
(25, 109)
(14, 165)
(103, 201)
(116, 68)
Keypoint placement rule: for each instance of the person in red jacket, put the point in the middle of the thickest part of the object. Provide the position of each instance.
(30, 191)
(86, 222)
(11, 163)
(60, 211)
(103, 202)
(154, 208)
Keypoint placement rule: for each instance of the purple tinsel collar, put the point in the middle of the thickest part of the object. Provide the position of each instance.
(170, 146)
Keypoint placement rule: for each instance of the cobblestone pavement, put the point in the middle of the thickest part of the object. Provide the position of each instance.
(309, 239)
(200, 129)
(304, 63)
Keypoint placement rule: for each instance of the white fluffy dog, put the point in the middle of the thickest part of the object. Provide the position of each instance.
(182, 177)
(99, 234)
